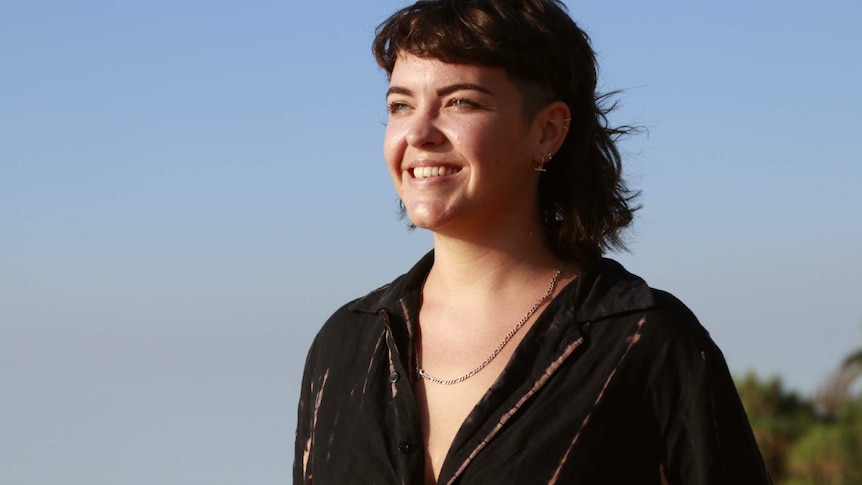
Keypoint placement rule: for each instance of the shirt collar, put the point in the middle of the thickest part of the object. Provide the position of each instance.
(387, 296)
(604, 288)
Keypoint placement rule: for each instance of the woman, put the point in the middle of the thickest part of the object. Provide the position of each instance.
(513, 352)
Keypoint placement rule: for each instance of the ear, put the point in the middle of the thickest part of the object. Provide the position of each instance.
(554, 120)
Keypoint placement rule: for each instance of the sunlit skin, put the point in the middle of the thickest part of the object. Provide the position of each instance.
(467, 120)
(462, 153)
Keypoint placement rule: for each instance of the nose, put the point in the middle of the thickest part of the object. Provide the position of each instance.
(423, 130)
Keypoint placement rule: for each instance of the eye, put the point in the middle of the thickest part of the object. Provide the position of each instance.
(395, 107)
(463, 103)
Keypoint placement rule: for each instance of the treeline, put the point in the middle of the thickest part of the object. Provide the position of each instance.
(813, 440)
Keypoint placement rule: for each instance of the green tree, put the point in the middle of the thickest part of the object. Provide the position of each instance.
(816, 458)
(830, 452)
(778, 418)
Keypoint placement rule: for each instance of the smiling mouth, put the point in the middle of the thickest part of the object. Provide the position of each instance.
(428, 172)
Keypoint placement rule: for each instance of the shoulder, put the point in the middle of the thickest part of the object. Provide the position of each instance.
(667, 334)
(677, 349)
(360, 322)
(386, 297)
(346, 337)
(692, 397)
(652, 328)
(351, 320)
(647, 328)
(670, 318)
(611, 297)
(370, 304)
(687, 342)
(664, 328)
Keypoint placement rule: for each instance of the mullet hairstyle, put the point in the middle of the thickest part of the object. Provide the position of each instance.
(583, 200)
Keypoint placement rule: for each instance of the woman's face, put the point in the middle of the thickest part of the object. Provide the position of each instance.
(458, 147)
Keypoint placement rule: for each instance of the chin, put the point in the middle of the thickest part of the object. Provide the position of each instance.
(427, 218)
(420, 223)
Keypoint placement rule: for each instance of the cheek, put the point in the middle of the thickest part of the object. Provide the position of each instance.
(393, 151)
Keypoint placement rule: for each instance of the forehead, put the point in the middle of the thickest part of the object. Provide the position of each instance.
(415, 72)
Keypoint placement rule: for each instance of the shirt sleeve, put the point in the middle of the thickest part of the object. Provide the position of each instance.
(306, 415)
(706, 437)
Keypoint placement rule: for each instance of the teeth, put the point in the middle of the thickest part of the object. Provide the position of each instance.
(427, 172)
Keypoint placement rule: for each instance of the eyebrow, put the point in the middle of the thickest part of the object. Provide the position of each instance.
(442, 91)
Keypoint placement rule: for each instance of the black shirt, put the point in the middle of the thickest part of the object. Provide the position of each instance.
(615, 383)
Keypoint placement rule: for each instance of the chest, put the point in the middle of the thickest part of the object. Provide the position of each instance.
(443, 410)
(468, 361)
(556, 410)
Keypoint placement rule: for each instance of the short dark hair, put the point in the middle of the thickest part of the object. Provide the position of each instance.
(584, 201)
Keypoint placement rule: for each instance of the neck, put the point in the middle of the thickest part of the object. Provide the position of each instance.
(482, 256)
(488, 265)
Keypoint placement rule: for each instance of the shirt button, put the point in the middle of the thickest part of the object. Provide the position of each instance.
(393, 377)
(406, 448)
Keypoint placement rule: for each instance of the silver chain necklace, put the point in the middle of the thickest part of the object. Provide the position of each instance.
(448, 382)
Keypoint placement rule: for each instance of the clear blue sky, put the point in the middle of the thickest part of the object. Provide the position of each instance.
(188, 189)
